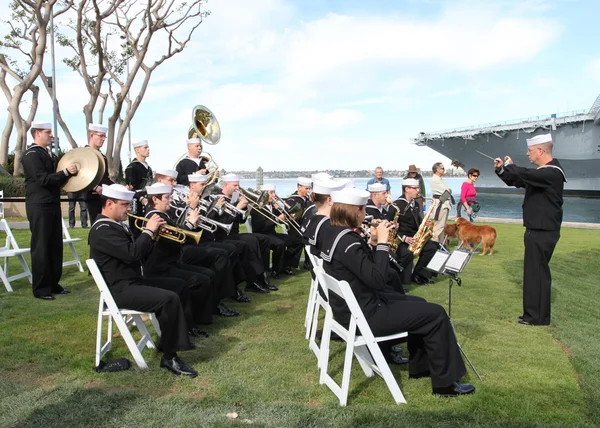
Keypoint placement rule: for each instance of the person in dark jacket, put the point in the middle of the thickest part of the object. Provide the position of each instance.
(432, 344)
(42, 203)
(75, 197)
(96, 138)
(193, 163)
(542, 218)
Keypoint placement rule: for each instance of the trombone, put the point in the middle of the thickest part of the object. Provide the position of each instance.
(168, 232)
(290, 212)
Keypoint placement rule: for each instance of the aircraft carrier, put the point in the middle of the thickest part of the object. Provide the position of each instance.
(576, 137)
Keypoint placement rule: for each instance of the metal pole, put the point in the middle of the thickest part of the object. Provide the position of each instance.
(129, 126)
(54, 105)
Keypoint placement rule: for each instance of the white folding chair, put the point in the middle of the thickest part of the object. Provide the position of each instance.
(249, 224)
(316, 301)
(123, 318)
(1, 204)
(67, 240)
(360, 342)
(11, 249)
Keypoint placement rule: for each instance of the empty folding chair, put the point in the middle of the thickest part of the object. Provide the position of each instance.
(67, 240)
(122, 318)
(360, 342)
(11, 249)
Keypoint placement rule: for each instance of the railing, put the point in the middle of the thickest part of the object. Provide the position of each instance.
(596, 106)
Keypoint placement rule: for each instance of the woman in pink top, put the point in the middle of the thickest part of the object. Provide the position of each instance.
(467, 194)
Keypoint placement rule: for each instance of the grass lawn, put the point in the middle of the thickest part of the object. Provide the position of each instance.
(259, 366)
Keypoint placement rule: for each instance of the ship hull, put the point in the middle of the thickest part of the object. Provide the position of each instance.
(576, 146)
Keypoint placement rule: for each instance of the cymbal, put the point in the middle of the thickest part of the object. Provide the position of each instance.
(90, 168)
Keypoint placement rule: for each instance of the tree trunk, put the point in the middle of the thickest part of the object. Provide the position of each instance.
(6, 139)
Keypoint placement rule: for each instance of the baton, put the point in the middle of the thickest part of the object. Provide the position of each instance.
(483, 154)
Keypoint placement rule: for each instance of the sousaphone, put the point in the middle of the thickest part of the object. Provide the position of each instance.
(90, 169)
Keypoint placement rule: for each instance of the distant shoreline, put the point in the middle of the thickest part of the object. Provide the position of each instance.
(453, 173)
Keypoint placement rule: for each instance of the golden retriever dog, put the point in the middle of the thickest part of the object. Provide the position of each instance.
(472, 234)
(451, 230)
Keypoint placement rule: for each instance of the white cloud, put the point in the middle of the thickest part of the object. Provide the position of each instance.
(593, 68)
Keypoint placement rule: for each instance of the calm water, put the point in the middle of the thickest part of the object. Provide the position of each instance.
(492, 205)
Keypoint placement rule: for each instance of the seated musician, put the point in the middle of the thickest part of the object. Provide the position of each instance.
(301, 197)
(311, 209)
(255, 248)
(376, 206)
(193, 163)
(118, 257)
(138, 175)
(165, 257)
(286, 248)
(432, 344)
(408, 224)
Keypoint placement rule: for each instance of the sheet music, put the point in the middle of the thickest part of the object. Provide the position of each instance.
(457, 261)
(437, 262)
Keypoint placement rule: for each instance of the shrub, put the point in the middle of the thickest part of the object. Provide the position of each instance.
(13, 187)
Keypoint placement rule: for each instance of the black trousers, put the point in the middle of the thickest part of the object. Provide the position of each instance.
(431, 341)
(537, 279)
(45, 223)
(94, 206)
(405, 258)
(164, 303)
(277, 245)
(218, 261)
(83, 215)
(294, 247)
(250, 254)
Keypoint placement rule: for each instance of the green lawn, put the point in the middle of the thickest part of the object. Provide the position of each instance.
(259, 366)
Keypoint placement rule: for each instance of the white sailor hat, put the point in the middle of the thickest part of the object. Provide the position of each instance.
(350, 196)
(325, 187)
(97, 128)
(229, 178)
(410, 182)
(320, 176)
(346, 182)
(41, 125)
(377, 187)
(198, 178)
(159, 189)
(303, 181)
(167, 172)
(194, 141)
(539, 139)
(140, 144)
(267, 187)
(117, 191)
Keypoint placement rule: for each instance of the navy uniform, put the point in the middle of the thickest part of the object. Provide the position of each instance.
(138, 175)
(542, 218)
(266, 227)
(188, 166)
(409, 220)
(379, 213)
(92, 198)
(295, 238)
(42, 203)
(431, 343)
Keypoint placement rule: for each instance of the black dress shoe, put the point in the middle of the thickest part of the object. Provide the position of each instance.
(420, 280)
(521, 317)
(522, 321)
(46, 297)
(274, 275)
(177, 366)
(196, 332)
(256, 288)
(419, 375)
(396, 358)
(268, 284)
(63, 292)
(454, 390)
(224, 311)
(272, 287)
(289, 271)
(242, 298)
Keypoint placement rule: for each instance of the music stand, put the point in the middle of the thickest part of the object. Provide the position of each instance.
(451, 265)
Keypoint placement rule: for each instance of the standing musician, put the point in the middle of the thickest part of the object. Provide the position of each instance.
(255, 248)
(285, 248)
(542, 218)
(138, 175)
(192, 163)
(42, 203)
(118, 256)
(302, 197)
(432, 344)
(376, 205)
(409, 221)
(96, 138)
(438, 187)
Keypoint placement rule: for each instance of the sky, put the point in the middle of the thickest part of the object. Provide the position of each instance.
(346, 84)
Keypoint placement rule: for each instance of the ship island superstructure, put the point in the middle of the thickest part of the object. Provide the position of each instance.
(576, 137)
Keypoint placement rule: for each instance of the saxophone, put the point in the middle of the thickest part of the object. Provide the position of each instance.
(425, 230)
(393, 238)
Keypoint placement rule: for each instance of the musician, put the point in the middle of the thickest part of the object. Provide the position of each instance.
(285, 248)
(311, 209)
(232, 269)
(42, 203)
(302, 197)
(96, 138)
(432, 344)
(138, 175)
(439, 186)
(192, 163)
(542, 218)
(164, 259)
(409, 221)
(413, 172)
(255, 249)
(376, 205)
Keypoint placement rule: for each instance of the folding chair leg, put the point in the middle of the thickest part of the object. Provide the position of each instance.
(99, 346)
(146, 338)
(126, 334)
(5, 281)
(76, 257)
(324, 349)
(365, 360)
(310, 308)
(312, 341)
(155, 324)
(387, 374)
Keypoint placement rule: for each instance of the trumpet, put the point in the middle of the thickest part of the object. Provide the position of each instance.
(228, 207)
(168, 232)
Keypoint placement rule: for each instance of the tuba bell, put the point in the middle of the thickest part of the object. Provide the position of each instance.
(204, 126)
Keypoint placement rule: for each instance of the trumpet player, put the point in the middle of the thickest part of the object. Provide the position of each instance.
(118, 257)
(409, 221)
(302, 197)
(193, 163)
(376, 205)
